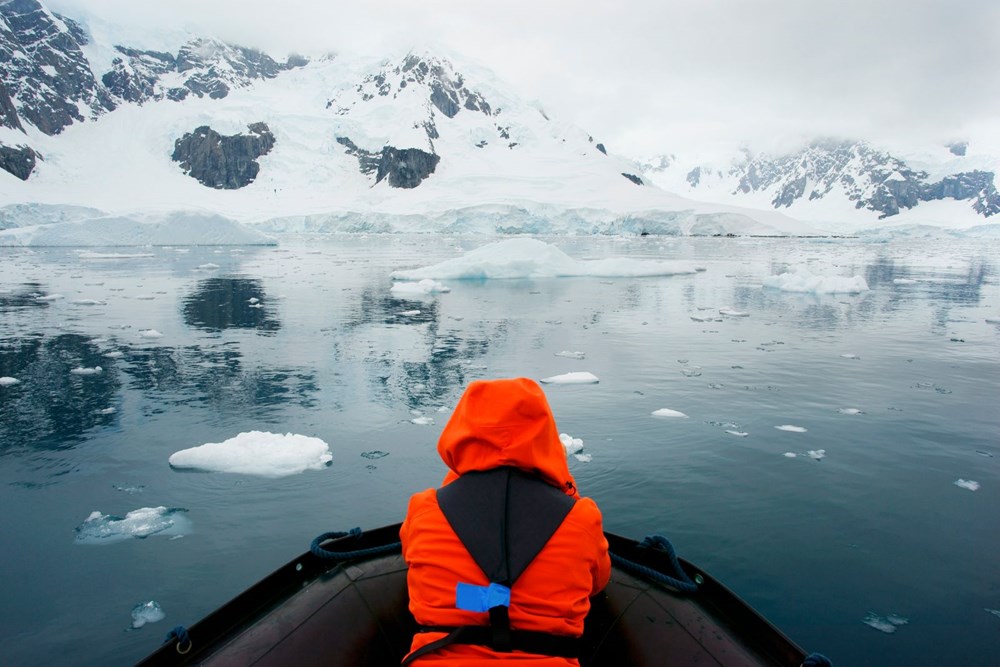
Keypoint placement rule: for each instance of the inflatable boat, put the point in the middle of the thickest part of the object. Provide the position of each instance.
(344, 604)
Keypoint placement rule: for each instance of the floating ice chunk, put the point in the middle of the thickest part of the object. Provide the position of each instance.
(572, 445)
(96, 370)
(995, 612)
(850, 411)
(570, 354)
(993, 320)
(967, 484)
(903, 281)
(790, 455)
(88, 302)
(113, 255)
(584, 458)
(207, 267)
(729, 312)
(107, 411)
(145, 297)
(791, 428)
(150, 333)
(114, 354)
(141, 523)
(422, 421)
(256, 453)
(667, 412)
(739, 434)
(7, 381)
(802, 279)
(425, 286)
(49, 297)
(532, 258)
(252, 300)
(887, 624)
(850, 356)
(818, 454)
(146, 612)
(579, 377)
(409, 313)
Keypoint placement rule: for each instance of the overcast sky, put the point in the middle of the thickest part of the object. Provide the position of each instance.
(660, 76)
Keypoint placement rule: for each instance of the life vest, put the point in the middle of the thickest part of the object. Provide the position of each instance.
(503, 517)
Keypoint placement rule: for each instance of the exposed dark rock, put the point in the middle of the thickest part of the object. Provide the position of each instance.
(601, 148)
(368, 161)
(958, 148)
(18, 161)
(224, 162)
(694, 177)
(632, 177)
(133, 77)
(8, 114)
(976, 185)
(406, 168)
(446, 100)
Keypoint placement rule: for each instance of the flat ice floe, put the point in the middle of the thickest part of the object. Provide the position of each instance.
(574, 447)
(570, 354)
(114, 255)
(578, 377)
(967, 484)
(96, 370)
(850, 411)
(887, 624)
(667, 412)
(150, 333)
(803, 280)
(256, 453)
(791, 428)
(7, 381)
(732, 312)
(141, 523)
(423, 287)
(531, 258)
(904, 281)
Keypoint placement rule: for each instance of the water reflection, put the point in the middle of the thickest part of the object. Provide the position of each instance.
(51, 408)
(216, 378)
(24, 297)
(228, 303)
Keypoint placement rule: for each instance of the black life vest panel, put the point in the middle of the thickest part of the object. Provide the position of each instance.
(503, 517)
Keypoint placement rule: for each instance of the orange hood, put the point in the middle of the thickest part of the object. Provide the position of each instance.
(505, 423)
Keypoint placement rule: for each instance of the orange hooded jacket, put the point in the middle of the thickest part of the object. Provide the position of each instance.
(503, 423)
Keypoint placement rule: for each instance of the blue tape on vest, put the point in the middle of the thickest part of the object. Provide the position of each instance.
(469, 597)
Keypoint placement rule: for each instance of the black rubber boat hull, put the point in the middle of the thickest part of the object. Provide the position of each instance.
(314, 611)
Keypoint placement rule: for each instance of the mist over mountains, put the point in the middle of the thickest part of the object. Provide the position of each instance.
(415, 141)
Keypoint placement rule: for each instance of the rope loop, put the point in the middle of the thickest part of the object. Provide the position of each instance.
(681, 581)
(180, 633)
(355, 533)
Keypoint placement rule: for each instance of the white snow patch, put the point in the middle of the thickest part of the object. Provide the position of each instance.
(578, 377)
(256, 453)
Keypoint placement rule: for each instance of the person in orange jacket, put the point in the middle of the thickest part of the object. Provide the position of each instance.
(504, 557)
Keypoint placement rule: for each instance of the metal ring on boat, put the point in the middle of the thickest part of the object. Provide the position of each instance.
(177, 646)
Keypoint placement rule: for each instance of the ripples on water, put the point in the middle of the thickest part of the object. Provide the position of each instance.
(886, 399)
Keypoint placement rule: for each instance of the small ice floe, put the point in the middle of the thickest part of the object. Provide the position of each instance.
(995, 612)
(374, 454)
(850, 411)
(409, 313)
(107, 411)
(569, 354)
(802, 279)
(114, 354)
(145, 297)
(207, 267)
(790, 455)
(791, 428)
(887, 624)
(967, 484)
(128, 488)
(141, 523)
(425, 286)
(993, 320)
(252, 300)
(422, 420)
(691, 371)
(7, 381)
(903, 281)
(574, 447)
(730, 312)
(667, 412)
(739, 434)
(114, 255)
(88, 302)
(850, 356)
(578, 377)
(49, 297)
(150, 333)
(256, 453)
(818, 454)
(146, 612)
(80, 370)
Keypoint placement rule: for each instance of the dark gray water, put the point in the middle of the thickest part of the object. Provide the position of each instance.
(876, 528)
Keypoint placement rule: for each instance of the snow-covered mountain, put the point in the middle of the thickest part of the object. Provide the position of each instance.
(100, 130)
(849, 181)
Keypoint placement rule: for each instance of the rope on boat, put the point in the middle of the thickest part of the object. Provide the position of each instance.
(816, 660)
(681, 581)
(320, 552)
(179, 633)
